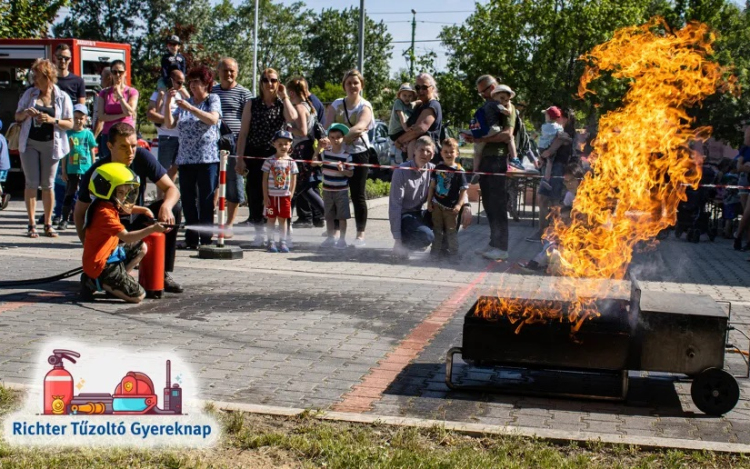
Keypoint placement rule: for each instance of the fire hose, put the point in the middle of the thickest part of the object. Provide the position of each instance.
(53, 278)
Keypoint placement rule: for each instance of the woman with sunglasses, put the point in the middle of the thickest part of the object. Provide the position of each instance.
(356, 113)
(197, 119)
(426, 119)
(117, 103)
(262, 117)
(45, 113)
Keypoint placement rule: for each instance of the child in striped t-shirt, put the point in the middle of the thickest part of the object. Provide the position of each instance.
(336, 176)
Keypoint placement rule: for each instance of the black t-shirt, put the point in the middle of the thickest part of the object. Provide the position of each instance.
(73, 85)
(145, 165)
(437, 110)
(448, 185)
(565, 152)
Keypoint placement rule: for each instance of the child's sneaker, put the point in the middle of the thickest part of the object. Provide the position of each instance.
(340, 244)
(329, 242)
(272, 247)
(516, 164)
(283, 247)
(545, 185)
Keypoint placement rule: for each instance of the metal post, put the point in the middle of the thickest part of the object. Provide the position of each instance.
(223, 155)
(255, 51)
(361, 64)
(412, 53)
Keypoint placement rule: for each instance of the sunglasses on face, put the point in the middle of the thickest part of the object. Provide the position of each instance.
(117, 72)
(488, 87)
(422, 87)
(64, 57)
(270, 80)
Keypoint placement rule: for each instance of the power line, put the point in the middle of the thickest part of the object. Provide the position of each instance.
(423, 40)
(421, 13)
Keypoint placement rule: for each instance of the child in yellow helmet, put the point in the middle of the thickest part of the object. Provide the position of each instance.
(107, 264)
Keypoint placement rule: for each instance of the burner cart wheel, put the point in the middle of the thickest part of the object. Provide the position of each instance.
(715, 391)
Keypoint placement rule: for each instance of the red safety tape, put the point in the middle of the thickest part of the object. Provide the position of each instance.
(510, 173)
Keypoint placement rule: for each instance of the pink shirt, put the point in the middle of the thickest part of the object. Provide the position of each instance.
(113, 107)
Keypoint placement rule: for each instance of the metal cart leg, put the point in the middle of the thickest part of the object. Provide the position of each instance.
(449, 367)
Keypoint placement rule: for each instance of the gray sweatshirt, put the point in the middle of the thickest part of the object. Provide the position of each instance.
(409, 190)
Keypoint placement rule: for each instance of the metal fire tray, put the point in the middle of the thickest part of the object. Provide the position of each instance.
(650, 331)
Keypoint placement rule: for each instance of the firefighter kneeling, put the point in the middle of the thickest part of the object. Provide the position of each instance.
(107, 264)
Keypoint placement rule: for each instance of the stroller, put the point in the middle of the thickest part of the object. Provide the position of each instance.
(692, 216)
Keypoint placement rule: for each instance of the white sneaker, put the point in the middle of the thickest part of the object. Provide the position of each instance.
(359, 242)
(340, 244)
(495, 254)
(289, 242)
(481, 251)
(259, 241)
(329, 242)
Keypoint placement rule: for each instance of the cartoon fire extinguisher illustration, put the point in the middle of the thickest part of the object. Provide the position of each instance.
(58, 383)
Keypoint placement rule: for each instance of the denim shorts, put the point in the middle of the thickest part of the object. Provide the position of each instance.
(168, 147)
(235, 184)
(556, 194)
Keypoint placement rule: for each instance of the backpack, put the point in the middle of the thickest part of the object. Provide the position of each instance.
(524, 147)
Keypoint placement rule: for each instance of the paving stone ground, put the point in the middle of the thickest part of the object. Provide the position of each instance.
(356, 330)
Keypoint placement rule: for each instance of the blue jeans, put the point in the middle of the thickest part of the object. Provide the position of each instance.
(556, 193)
(415, 233)
(198, 183)
(59, 199)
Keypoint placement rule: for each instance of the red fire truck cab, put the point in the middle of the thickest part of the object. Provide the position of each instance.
(17, 55)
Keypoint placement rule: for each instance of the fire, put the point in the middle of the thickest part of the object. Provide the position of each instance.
(641, 162)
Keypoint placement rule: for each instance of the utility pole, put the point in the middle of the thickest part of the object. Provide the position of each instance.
(412, 54)
(361, 61)
(255, 51)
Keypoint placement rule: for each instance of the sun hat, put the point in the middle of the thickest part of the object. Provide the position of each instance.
(405, 87)
(504, 89)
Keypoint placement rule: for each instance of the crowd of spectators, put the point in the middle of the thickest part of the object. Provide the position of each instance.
(196, 113)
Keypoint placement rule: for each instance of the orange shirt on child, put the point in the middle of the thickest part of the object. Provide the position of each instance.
(101, 238)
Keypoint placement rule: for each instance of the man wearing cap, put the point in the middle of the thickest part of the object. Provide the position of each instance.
(172, 60)
(494, 159)
(71, 83)
(403, 108)
(123, 144)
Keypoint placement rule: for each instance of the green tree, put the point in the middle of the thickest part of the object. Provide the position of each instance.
(331, 48)
(534, 46)
(281, 35)
(28, 19)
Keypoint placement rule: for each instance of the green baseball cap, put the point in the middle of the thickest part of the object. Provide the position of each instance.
(340, 127)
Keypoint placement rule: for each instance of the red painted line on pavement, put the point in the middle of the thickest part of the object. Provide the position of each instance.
(11, 305)
(364, 394)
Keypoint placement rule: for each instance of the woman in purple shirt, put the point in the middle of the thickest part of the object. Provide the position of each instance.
(118, 103)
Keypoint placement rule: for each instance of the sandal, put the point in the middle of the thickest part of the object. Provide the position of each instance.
(49, 231)
(31, 231)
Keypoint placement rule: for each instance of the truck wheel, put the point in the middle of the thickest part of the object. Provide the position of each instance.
(715, 392)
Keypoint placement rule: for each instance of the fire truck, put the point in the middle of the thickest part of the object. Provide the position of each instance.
(17, 55)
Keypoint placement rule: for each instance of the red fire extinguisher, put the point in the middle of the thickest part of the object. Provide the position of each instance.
(58, 383)
(151, 269)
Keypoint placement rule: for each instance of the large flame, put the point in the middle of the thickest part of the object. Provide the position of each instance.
(641, 163)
